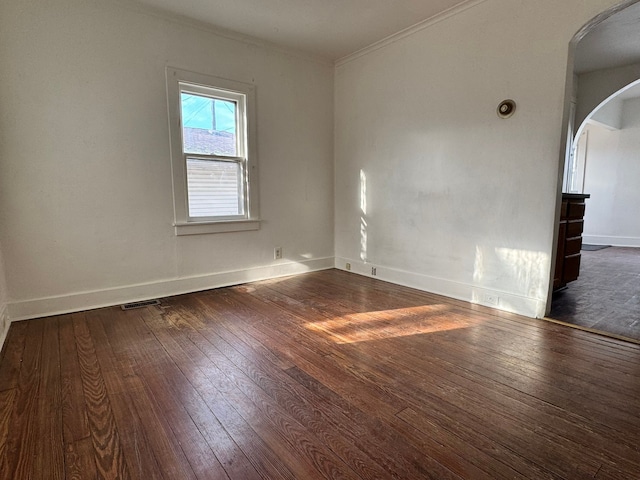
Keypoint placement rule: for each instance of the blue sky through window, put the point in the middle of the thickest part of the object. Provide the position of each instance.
(200, 112)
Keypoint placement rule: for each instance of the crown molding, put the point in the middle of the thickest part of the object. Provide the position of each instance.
(412, 30)
(176, 18)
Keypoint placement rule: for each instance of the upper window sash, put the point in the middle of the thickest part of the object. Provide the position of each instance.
(240, 115)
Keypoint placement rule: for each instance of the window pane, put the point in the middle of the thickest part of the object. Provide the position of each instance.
(208, 125)
(214, 188)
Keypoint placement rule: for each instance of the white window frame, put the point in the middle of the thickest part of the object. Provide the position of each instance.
(243, 95)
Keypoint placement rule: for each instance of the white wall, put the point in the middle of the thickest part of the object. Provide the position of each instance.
(86, 206)
(612, 177)
(610, 114)
(4, 299)
(458, 201)
(596, 87)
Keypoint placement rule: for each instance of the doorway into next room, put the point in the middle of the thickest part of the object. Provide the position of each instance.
(603, 167)
(606, 296)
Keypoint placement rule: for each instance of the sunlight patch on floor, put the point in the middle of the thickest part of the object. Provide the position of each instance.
(401, 322)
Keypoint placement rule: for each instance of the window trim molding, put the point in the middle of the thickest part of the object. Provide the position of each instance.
(222, 226)
(185, 225)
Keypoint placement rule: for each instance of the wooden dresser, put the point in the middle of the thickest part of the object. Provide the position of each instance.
(569, 239)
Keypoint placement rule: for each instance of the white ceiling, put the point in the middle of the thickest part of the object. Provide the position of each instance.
(613, 43)
(328, 28)
(336, 28)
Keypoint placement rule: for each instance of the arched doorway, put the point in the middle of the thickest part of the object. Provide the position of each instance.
(603, 73)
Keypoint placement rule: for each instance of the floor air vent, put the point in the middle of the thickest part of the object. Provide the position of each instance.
(132, 305)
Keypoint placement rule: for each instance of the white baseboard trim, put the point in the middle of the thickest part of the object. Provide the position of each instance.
(4, 324)
(609, 240)
(508, 302)
(57, 305)
(75, 302)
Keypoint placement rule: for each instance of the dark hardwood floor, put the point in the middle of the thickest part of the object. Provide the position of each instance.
(606, 296)
(324, 375)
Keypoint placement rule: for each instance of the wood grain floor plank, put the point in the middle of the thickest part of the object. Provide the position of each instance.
(613, 473)
(492, 457)
(369, 288)
(155, 453)
(49, 461)
(460, 361)
(80, 461)
(557, 439)
(201, 457)
(568, 420)
(273, 425)
(176, 453)
(240, 450)
(322, 375)
(435, 405)
(21, 443)
(445, 449)
(74, 409)
(310, 411)
(514, 352)
(7, 404)
(107, 448)
(12, 355)
(351, 387)
(554, 422)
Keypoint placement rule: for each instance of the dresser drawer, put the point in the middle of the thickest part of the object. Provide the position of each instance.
(572, 246)
(574, 228)
(571, 268)
(575, 210)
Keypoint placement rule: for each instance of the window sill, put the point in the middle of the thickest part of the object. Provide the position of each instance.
(200, 228)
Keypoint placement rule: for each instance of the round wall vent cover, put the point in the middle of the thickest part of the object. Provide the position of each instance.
(506, 108)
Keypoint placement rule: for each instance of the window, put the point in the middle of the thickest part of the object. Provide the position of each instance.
(213, 156)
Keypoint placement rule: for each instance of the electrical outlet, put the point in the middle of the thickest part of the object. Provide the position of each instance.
(277, 253)
(373, 271)
(491, 299)
(348, 266)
